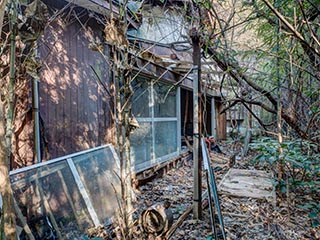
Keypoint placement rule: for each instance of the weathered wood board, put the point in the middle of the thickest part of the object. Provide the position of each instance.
(248, 183)
(220, 160)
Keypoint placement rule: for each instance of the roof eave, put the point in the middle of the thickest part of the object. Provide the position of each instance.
(103, 8)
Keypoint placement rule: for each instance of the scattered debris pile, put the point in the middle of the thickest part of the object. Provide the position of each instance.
(245, 217)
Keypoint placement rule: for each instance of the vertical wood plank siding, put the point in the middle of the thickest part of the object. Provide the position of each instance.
(221, 122)
(74, 108)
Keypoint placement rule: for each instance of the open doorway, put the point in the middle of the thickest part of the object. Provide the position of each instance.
(214, 123)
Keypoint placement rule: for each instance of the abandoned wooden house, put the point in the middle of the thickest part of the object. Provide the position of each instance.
(73, 108)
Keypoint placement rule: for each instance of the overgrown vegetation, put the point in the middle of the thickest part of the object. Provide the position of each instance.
(302, 170)
(280, 73)
(270, 55)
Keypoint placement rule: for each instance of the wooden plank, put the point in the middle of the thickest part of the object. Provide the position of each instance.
(23, 221)
(75, 79)
(248, 183)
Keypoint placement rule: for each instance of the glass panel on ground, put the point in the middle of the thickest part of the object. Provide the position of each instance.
(165, 138)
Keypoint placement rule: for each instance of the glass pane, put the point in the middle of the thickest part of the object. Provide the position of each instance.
(48, 196)
(165, 138)
(164, 100)
(141, 106)
(97, 171)
(141, 140)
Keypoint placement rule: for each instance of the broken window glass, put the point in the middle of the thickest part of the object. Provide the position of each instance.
(64, 197)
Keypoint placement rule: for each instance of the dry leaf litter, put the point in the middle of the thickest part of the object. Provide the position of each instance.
(244, 218)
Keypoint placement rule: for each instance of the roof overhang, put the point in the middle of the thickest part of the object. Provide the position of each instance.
(103, 8)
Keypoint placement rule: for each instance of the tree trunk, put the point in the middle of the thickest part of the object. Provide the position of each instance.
(8, 226)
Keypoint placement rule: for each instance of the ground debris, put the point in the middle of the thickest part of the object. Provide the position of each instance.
(244, 217)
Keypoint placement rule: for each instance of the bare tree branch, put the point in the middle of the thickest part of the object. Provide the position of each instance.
(291, 28)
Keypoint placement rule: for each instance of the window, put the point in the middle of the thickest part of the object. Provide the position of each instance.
(155, 105)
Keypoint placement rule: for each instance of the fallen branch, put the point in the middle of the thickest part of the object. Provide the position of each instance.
(185, 215)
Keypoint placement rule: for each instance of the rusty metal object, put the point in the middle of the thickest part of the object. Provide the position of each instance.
(157, 219)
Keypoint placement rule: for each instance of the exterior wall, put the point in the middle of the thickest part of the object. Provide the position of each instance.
(74, 108)
(221, 127)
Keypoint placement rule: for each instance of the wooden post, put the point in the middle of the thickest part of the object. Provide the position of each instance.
(196, 129)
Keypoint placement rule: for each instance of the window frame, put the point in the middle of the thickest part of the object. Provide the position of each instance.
(152, 120)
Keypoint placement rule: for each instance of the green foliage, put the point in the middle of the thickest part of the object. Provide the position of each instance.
(314, 208)
(279, 44)
(302, 168)
(298, 154)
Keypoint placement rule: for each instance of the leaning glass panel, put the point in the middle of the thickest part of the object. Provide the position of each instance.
(49, 203)
(165, 138)
(99, 171)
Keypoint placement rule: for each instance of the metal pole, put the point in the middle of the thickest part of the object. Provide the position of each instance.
(196, 131)
(213, 118)
(35, 105)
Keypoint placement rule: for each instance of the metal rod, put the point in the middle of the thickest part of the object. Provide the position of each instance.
(35, 106)
(213, 220)
(212, 185)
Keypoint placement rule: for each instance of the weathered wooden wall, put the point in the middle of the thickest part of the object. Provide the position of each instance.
(221, 121)
(74, 107)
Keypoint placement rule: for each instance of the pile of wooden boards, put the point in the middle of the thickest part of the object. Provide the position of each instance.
(221, 160)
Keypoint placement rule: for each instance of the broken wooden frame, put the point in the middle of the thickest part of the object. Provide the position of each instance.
(68, 194)
(212, 191)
